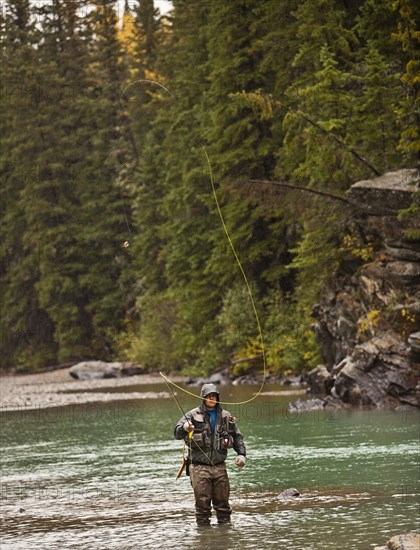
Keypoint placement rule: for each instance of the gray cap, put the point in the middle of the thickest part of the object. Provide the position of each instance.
(207, 389)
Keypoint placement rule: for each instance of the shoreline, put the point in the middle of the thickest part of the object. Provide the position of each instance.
(57, 389)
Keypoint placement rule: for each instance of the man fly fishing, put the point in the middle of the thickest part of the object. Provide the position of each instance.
(209, 431)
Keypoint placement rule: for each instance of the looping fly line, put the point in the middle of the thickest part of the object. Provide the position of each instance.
(167, 380)
(142, 81)
(250, 296)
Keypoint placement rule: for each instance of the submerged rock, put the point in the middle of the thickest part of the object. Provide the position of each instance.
(409, 541)
(301, 405)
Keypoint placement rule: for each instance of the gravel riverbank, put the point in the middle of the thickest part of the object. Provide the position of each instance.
(57, 388)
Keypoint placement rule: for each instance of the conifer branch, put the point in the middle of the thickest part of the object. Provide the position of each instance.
(328, 133)
(301, 188)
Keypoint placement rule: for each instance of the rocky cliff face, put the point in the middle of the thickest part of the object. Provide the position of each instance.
(368, 318)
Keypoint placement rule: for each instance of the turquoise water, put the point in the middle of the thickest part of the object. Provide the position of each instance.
(103, 476)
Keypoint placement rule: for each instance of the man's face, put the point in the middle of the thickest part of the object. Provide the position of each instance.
(210, 401)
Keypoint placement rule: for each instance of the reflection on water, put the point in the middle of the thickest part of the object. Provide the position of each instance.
(104, 477)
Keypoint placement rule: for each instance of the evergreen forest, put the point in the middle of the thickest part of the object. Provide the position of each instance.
(112, 247)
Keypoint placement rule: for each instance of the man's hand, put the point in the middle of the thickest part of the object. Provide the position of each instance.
(240, 461)
(188, 426)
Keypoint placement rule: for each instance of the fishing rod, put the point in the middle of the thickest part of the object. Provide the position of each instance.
(174, 396)
(190, 434)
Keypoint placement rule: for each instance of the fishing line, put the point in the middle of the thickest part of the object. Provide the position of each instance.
(250, 295)
(246, 282)
(237, 261)
(126, 244)
(147, 80)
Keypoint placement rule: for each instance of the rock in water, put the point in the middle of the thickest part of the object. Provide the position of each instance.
(301, 405)
(377, 373)
(290, 493)
(319, 380)
(409, 541)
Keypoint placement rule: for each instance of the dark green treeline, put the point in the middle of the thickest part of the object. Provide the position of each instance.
(111, 245)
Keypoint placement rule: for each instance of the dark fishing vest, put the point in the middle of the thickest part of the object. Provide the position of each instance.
(208, 447)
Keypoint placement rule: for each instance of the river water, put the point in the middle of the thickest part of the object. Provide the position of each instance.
(102, 476)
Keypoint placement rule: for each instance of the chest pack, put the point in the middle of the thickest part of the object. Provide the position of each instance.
(204, 439)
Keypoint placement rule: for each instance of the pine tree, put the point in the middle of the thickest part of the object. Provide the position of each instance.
(315, 151)
(374, 25)
(147, 103)
(146, 30)
(104, 220)
(108, 224)
(72, 208)
(126, 33)
(372, 128)
(241, 140)
(169, 196)
(27, 330)
(378, 85)
(408, 109)
(319, 96)
(51, 202)
(322, 23)
(142, 70)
